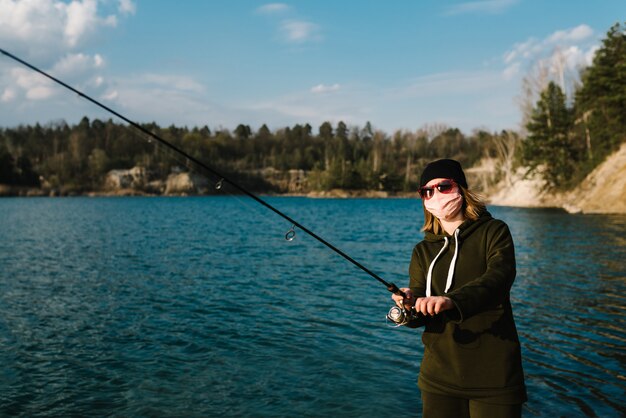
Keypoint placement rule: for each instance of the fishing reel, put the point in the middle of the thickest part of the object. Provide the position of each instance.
(401, 316)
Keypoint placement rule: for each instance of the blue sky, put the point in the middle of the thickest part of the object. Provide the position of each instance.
(398, 64)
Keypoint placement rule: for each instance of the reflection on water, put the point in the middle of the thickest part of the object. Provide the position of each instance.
(198, 306)
(570, 300)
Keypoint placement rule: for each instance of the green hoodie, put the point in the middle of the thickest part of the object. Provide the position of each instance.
(472, 351)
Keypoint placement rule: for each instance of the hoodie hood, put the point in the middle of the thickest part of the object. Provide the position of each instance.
(464, 230)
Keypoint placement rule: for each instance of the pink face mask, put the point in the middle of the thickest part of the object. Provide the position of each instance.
(444, 206)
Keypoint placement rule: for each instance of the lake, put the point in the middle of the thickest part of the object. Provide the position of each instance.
(198, 306)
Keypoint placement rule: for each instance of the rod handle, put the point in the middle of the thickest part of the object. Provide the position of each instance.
(394, 289)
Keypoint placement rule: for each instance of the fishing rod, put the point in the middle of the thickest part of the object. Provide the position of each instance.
(290, 235)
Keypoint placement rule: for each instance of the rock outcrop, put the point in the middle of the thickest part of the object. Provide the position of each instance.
(602, 191)
(134, 178)
(186, 183)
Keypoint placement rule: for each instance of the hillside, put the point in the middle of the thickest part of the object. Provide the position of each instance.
(602, 191)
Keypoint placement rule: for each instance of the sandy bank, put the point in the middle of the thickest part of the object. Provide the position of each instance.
(602, 191)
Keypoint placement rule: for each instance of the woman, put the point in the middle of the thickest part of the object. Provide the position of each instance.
(460, 278)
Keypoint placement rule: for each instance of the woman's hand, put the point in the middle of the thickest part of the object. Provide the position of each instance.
(432, 305)
(407, 302)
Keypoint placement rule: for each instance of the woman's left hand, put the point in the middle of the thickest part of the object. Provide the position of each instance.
(432, 305)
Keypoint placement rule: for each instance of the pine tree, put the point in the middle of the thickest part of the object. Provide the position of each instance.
(601, 101)
(548, 149)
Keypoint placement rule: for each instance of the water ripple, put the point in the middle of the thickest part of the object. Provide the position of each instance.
(199, 307)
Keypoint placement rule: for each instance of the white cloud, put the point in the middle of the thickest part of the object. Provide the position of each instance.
(81, 18)
(299, 31)
(45, 29)
(272, 8)
(34, 25)
(576, 34)
(511, 71)
(533, 48)
(322, 88)
(39, 92)
(563, 50)
(573, 56)
(127, 7)
(33, 85)
(73, 65)
(590, 54)
(291, 30)
(51, 34)
(98, 61)
(484, 6)
(110, 95)
(523, 50)
(75, 69)
(8, 95)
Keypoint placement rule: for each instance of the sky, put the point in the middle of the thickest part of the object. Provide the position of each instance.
(401, 65)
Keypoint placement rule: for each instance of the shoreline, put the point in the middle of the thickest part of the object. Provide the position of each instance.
(25, 192)
(492, 199)
(20, 191)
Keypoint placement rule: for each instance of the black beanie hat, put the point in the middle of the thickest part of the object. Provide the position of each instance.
(445, 169)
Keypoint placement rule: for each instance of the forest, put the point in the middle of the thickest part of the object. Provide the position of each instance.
(76, 159)
(563, 140)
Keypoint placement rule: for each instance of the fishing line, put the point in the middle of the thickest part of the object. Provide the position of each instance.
(222, 178)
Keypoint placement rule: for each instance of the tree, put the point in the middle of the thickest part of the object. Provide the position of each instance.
(26, 176)
(367, 132)
(98, 164)
(342, 130)
(7, 166)
(547, 149)
(264, 133)
(326, 130)
(242, 131)
(601, 101)
(448, 144)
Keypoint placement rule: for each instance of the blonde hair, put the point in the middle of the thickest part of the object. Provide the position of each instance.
(473, 207)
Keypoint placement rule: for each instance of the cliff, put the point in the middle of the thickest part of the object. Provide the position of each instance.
(602, 191)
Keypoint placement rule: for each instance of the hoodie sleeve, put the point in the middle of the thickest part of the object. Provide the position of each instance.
(417, 277)
(492, 287)
(417, 284)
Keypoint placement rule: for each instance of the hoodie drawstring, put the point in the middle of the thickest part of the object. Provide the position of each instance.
(429, 277)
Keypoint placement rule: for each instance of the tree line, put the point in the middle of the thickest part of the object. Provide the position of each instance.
(77, 158)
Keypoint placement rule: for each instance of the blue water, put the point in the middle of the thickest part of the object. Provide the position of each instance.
(200, 307)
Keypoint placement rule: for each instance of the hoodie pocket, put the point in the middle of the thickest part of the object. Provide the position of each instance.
(466, 338)
(433, 331)
(470, 333)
